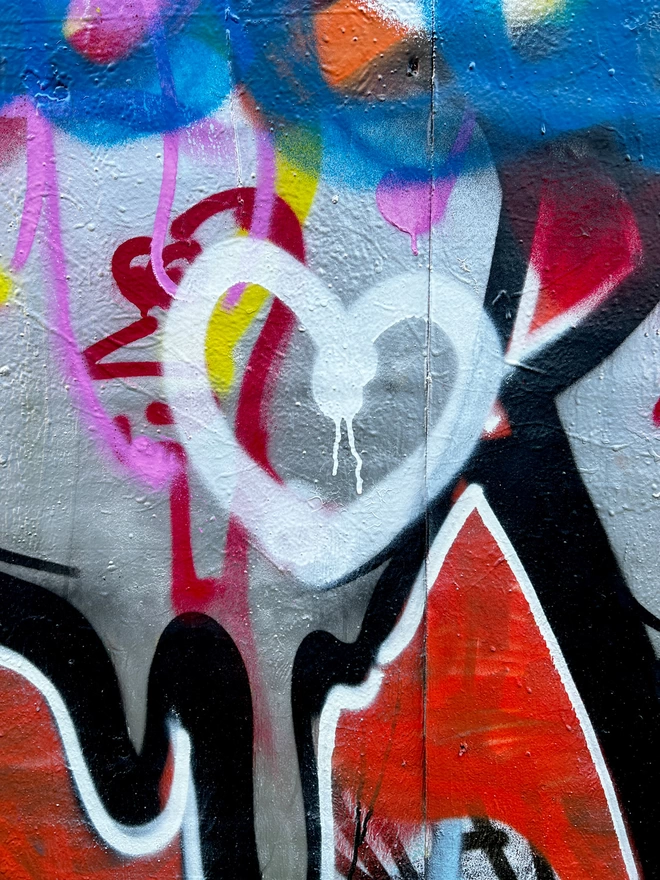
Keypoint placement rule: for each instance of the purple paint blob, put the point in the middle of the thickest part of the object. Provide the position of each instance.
(264, 200)
(415, 206)
(233, 296)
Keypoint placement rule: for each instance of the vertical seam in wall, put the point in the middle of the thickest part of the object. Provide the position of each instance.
(427, 399)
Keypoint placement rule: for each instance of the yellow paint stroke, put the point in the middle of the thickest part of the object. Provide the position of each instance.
(297, 172)
(6, 287)
(298, 167)
(225, 328)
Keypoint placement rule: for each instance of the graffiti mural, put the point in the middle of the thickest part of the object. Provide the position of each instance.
(330, 393)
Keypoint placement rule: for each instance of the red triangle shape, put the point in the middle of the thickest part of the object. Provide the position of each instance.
(586, 242)
(489, 726)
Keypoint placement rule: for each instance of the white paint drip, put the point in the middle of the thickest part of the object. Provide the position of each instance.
(355, 453)
(335, 448)
(351, 442)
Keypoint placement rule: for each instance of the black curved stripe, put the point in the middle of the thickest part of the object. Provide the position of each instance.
(197, 675)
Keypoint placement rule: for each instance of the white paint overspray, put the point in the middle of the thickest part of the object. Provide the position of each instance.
(355, 454)
(321, 545)
(608, 419)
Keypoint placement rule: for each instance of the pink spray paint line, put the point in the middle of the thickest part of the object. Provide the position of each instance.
(146, 458)
(34, 189)
(416, 206)
(152, 10)
(164, 210)
(265, 194)
(233, 296)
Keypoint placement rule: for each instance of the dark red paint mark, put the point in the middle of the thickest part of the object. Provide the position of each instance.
(189, 592)
(656, 414)
(13, 137)
(159, 413)
(124, 425)
(585, 243)
(122, 369)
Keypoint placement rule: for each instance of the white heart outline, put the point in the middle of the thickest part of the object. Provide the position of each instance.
(322, 546)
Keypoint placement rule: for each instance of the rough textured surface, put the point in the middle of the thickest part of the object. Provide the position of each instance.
(330, 422)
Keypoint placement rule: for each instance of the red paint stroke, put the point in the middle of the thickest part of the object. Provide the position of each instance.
(137, 282)
(189, 592)
(263, 368)
(285, 230)
(483, 728)
(131, 333)
(44, 835)
(586, 242)
(124, 425)
(139, 286)
(240, 200)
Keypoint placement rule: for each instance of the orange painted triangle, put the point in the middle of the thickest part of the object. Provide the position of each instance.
(506, 736)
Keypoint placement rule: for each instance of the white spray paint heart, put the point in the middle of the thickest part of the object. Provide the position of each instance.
(320, 545)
